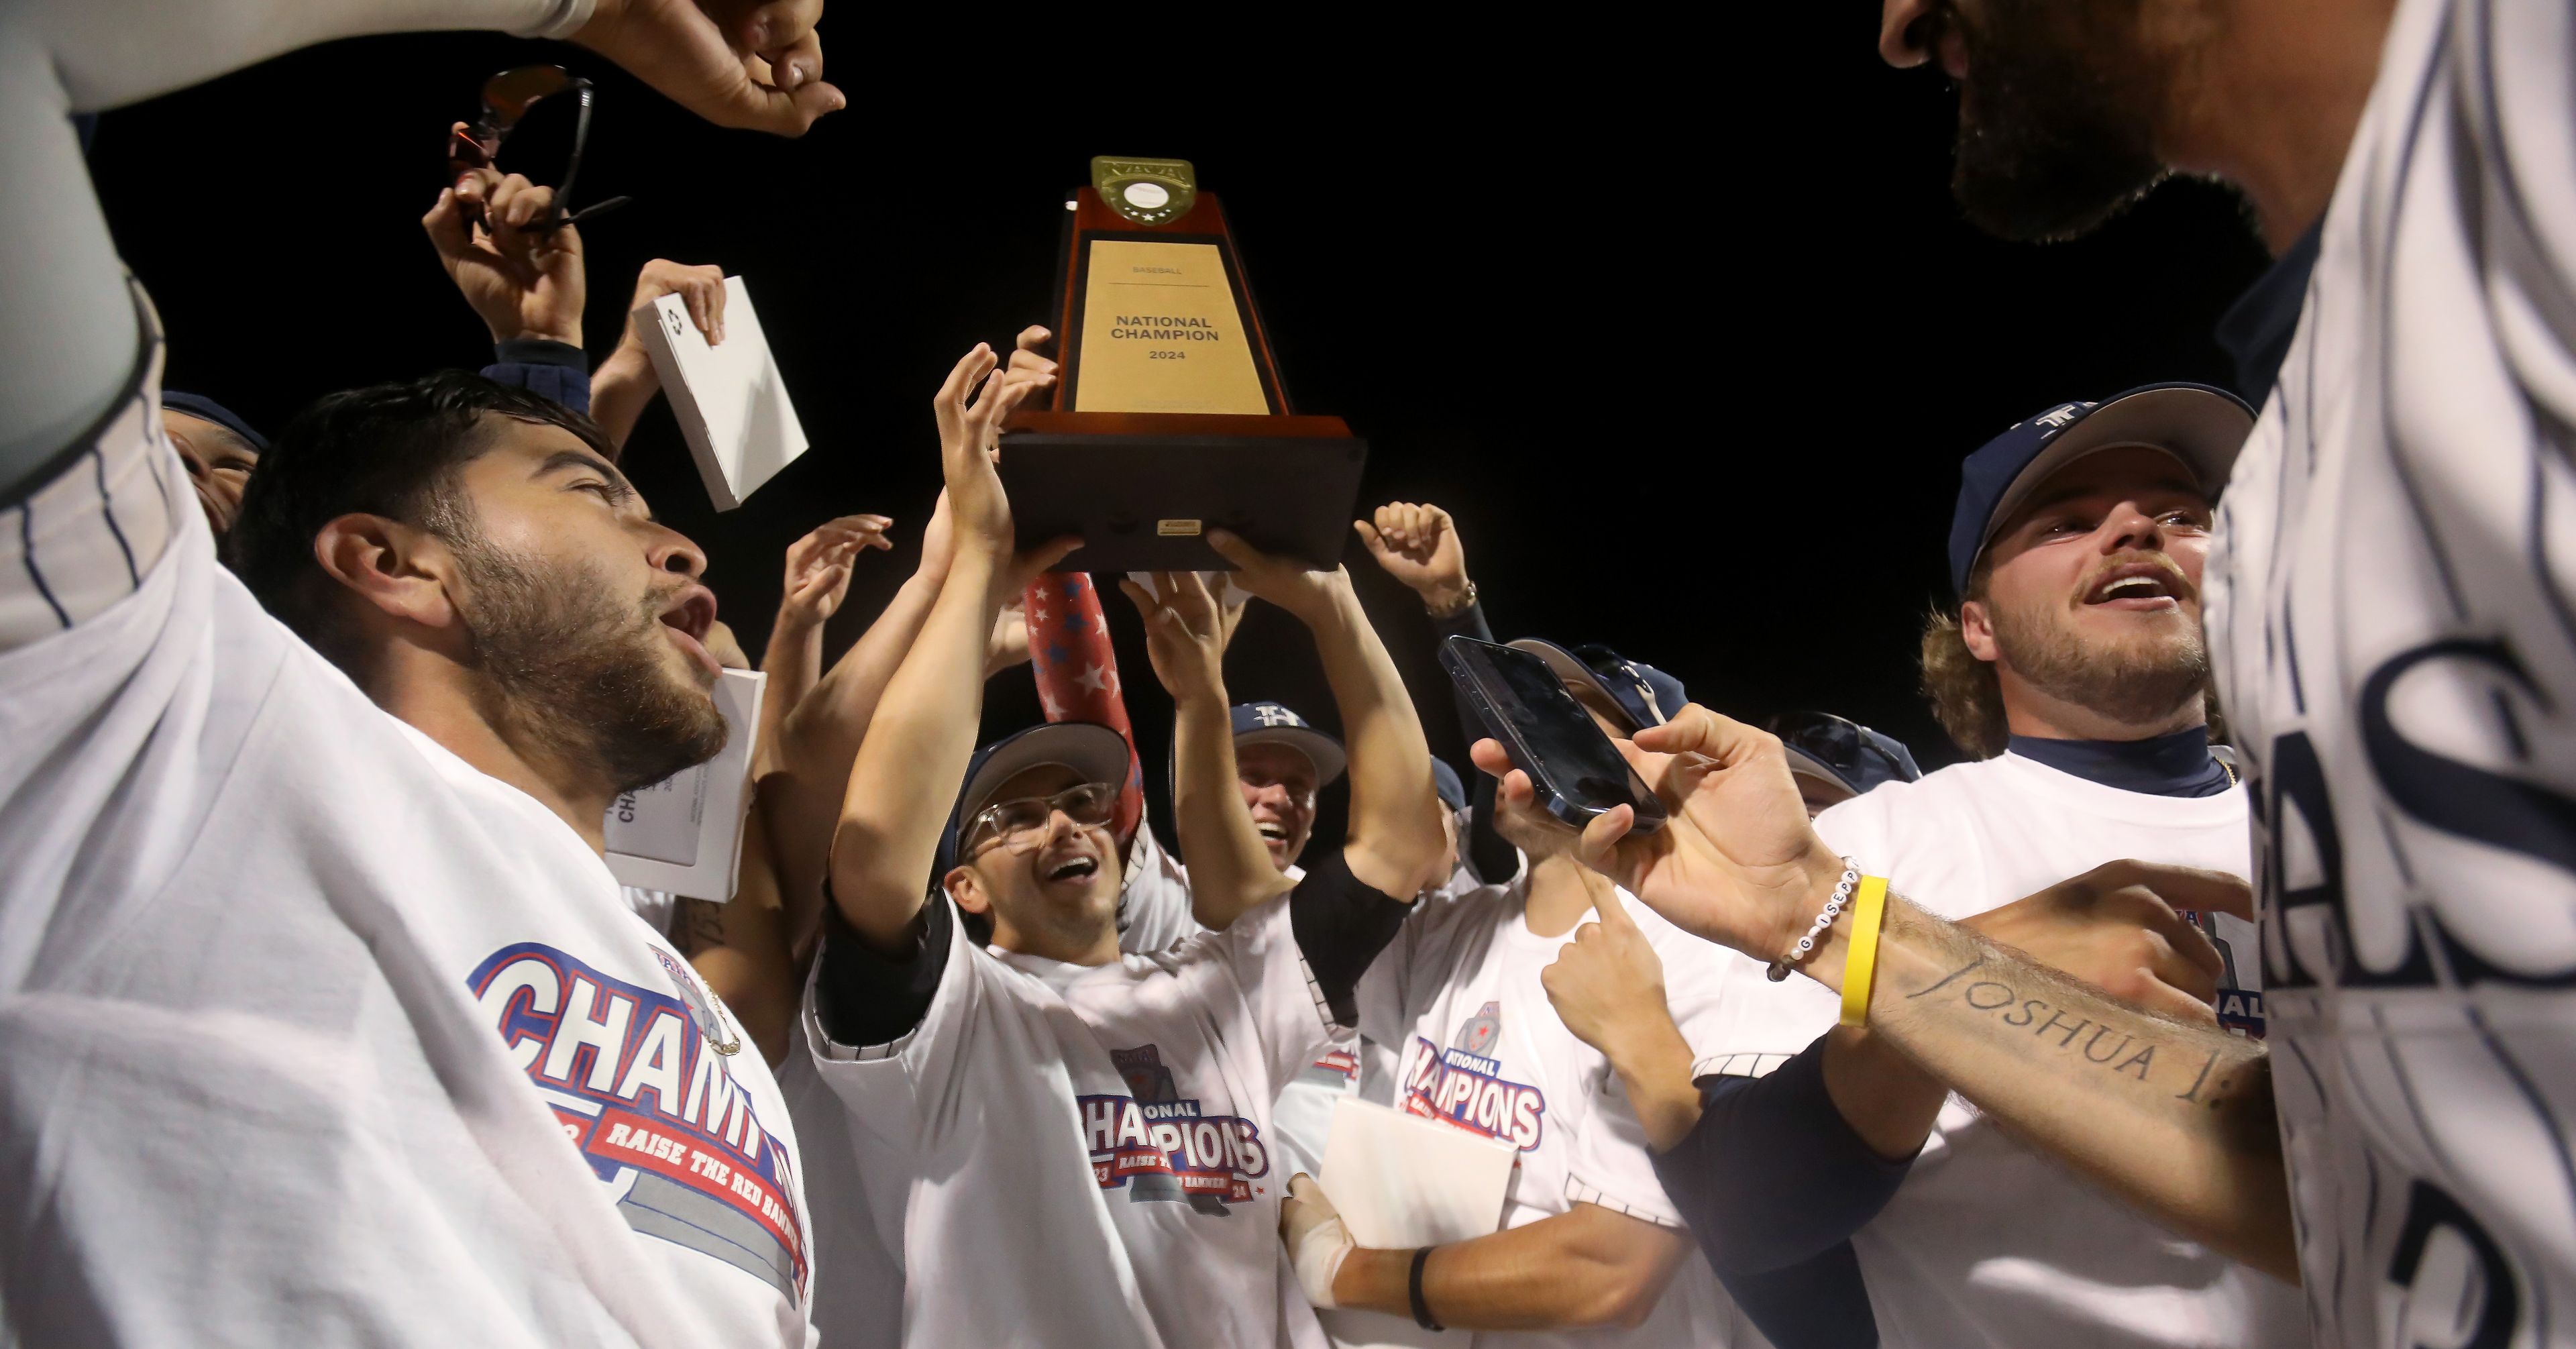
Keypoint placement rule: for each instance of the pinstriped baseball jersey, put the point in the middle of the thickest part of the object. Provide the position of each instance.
(2392, 604)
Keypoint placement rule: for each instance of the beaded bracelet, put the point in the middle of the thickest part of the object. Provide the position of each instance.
(1806, 947)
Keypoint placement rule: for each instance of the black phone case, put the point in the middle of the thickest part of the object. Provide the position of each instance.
(1649, 811)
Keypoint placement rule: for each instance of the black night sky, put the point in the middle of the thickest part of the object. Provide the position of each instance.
(1690, 342)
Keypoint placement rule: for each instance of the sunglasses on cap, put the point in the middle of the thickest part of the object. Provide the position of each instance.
(507, 99)
(1021, 825)
(1862, 756)
(1611, 668)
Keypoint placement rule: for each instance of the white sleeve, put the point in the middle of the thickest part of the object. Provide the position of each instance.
(906, 1090)
(88, 536)
(108, 53)
(1736, 1021)
(1611, 1165)
(2514, 65)
(1154, 904)
(124, 687)
(68, 338)
(1266, 980)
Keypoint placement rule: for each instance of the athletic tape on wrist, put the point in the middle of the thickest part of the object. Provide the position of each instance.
(1318, 1260)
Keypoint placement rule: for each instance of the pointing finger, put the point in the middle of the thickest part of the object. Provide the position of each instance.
(1599, 845)
(1613, 911)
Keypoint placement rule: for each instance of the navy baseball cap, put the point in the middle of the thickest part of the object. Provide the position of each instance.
(1269, 723)
(198, 405)
(2204, 427)
(1096, 752)
(1644, 695)
(1444, 780)
(1843, 752)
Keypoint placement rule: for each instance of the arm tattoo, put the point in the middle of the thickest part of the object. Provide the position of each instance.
(2090, 1031)
(697, 926)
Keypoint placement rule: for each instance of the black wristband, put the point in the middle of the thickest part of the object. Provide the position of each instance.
(539, 351)
(1413, 1289)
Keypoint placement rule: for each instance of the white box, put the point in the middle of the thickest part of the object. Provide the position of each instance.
(730, 402)
(684, 833)
(1401, 1181)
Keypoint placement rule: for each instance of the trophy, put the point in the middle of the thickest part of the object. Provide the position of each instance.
(1169, 416)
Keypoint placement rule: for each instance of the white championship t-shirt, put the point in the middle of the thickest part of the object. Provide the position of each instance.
(861, 1305)
(1988, 1244)
(307, 1028)
(1153, 915)
(1470, 1040)
(2392, 608)
(1082, 1154)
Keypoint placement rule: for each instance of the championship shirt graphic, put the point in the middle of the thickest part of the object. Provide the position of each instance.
(1160, 1147)
(640, 1079)
(1464, 1086)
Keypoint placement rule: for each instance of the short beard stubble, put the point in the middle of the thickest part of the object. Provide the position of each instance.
(580, 673)
(2056, 124)
(2135, 683)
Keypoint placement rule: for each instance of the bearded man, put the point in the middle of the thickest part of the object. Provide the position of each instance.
(1879, 1209)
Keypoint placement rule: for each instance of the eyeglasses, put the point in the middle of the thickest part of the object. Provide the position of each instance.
(507, 98)
(1022, 825)
(1861, 755)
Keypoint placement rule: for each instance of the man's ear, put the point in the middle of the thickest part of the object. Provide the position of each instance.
(400, 569)
(1977, 629)
(967, 888)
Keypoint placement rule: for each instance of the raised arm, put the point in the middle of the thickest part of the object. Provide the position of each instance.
(526, 281)
(914, 756)
(821, 734)
(68, 333)
(1230, 868)
(1419, 545)
(818, 579)
(625, 383)
(2175, 1118)
(1395, 841)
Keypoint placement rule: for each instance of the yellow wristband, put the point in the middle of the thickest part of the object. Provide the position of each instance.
(1869, 905)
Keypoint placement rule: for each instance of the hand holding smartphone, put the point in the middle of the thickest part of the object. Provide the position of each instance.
(1575, 770)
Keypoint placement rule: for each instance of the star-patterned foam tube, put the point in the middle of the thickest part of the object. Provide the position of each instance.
(1077, 673)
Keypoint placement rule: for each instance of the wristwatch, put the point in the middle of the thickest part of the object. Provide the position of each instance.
(1466, 601)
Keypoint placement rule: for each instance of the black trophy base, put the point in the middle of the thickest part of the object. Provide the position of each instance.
(1146, 502)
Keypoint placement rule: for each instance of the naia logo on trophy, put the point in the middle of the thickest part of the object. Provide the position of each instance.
(641, 1083)
(1464, 1085)
(1161, 1147)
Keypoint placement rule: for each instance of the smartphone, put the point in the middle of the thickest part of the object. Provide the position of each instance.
(1575, 769)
